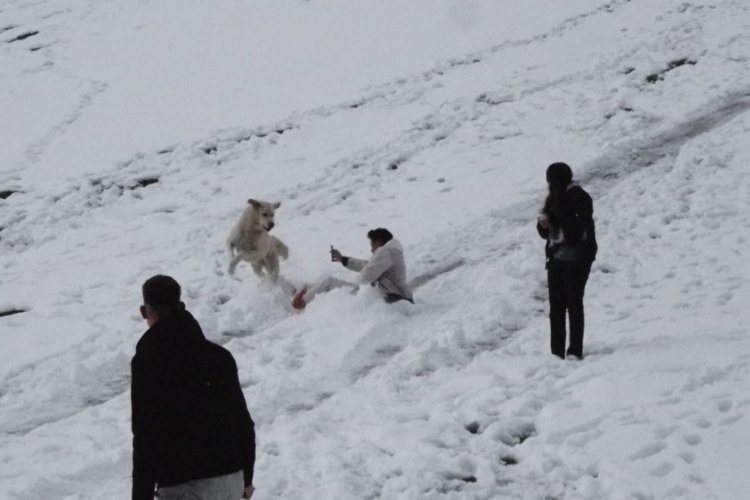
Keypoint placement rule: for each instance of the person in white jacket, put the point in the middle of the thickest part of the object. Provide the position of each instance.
(385, 270)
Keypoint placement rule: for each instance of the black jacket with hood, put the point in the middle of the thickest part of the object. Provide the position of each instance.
(571, 235)
(189, 416)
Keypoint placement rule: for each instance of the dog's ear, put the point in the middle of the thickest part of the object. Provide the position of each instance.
(254, 203)
(277, 204)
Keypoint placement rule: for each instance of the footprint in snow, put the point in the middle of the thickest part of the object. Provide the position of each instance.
(648, 451)
(662, 469)
(725, 406)
(693, 439)
(687, 457)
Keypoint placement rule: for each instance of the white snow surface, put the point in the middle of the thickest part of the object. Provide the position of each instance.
(135, 131)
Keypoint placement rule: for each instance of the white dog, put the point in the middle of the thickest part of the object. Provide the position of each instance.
(250, 241)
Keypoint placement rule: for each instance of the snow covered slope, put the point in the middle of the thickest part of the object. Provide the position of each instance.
(135, 131)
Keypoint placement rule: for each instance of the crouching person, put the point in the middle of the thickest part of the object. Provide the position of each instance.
(385, 270)
(193, 436)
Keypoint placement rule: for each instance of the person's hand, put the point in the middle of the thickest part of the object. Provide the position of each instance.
(543, 221)
(248, 492)
(335, 255)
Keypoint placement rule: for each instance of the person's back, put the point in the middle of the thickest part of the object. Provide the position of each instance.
(386, 269)
(190, 421)
(572, 220)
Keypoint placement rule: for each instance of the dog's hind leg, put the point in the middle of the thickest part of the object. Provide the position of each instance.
(234, 261)
(258, 268)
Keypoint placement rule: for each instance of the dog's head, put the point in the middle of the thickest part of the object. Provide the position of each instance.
(264, 212)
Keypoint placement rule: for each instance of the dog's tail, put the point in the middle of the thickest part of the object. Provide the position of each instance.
(281, 248)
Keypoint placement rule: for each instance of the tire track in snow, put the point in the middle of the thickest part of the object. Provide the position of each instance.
(663, 146)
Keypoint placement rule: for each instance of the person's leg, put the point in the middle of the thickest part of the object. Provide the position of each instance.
(556, 287)
(227, 487)
(576, 276)
(305, 295)
(392, 298)
(185, 491)
(324, 286)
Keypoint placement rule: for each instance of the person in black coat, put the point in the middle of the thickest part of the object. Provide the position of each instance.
(567, 223)
(190, 422)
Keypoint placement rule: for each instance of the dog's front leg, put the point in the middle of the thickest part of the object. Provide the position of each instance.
(272, 267)
(234, 261)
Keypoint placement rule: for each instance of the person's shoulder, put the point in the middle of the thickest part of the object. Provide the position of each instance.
(145, 349)
(219, 354)
(575, 190)
(394, 245)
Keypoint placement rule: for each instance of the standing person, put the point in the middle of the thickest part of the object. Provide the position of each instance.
(193, 436)
(385, 270)
(567, 223)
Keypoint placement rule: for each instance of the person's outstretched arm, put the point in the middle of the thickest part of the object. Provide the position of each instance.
(348, 262)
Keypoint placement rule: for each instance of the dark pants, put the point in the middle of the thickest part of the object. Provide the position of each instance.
(394, 297)
(566, 281)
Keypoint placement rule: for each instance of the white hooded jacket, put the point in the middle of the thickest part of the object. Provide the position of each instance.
(386, 269)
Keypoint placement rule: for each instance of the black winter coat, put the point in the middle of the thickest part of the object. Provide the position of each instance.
(571, 234)
(190, 420)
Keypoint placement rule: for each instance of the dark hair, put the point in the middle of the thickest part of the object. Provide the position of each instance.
(161, 293)
(559, 174)
(381, 235)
